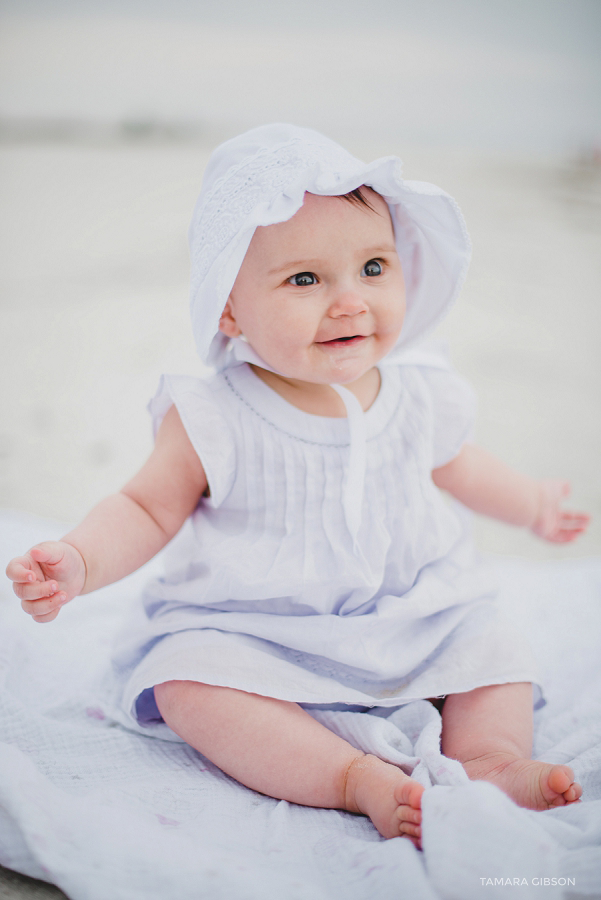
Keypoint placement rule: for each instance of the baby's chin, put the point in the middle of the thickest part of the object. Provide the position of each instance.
(342, 374)
(324, 367)
(343, 378)
(314, 380)
(347, 372)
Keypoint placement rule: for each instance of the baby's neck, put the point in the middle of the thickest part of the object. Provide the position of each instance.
(321, 399)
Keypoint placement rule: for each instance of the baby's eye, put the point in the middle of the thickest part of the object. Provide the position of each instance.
(303, 279)
(373, 267)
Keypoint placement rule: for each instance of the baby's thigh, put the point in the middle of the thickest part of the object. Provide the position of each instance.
(178, 700)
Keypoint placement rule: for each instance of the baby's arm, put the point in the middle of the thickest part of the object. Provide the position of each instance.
(485, 484)
(120, 534)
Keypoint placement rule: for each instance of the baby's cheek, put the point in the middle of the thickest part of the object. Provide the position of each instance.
(279, 349)
(279, 344)
(389, 336)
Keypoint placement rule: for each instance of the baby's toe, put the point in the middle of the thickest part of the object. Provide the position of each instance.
(410, 830)
(573, 793)
(560, 779)
(415, 796)
(409, 794)
(409, 814)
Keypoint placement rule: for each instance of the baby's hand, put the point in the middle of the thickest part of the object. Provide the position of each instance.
(46, 578)
(553, 523)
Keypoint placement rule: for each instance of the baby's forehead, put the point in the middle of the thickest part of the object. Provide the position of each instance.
(326, 227)
(358, 211)
(362, 199)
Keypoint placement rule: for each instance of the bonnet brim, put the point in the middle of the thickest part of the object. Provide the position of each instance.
(261, 177)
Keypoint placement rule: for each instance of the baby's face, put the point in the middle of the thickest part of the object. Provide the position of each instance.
(321, 297)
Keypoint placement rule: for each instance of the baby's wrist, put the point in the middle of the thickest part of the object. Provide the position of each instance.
(83, 567)
(538, 507)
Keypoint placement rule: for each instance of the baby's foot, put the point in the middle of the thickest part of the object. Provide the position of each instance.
(532, 784)
(390, 798)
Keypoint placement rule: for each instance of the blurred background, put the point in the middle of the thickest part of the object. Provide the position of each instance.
(109, 110)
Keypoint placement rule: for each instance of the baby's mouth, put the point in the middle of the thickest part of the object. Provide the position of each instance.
(343, 341)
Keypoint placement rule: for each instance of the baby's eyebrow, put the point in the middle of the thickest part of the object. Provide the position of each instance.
(306, 265)
(294, 264)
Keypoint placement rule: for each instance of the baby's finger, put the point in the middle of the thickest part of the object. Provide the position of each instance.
(47, 618)
(575, 520)
(49, 553)
(20, 569)
(569, 531)
(574, 514)
(45, 606)
(565, 535)
(35, 591)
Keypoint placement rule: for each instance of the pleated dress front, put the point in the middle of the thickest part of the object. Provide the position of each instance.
(265, 588)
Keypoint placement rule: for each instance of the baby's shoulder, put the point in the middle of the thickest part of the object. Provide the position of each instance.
(447, 401)
(428, 371)
(202, 406)
(207, 387)
(193, 395)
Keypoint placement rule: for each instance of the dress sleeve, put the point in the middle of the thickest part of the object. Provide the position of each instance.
(206, 426)
(454, 411)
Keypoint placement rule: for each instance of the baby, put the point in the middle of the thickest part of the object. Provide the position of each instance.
(318, 565)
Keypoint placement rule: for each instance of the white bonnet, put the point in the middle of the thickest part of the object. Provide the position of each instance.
(261, 177)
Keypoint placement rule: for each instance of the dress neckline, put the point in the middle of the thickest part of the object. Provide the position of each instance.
(306, 426)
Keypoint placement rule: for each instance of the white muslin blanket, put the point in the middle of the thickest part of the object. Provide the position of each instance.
(103, 812)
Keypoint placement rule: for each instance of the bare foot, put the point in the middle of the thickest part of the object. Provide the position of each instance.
(532, 784)
(390, 798)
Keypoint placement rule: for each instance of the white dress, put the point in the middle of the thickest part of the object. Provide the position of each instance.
(264, 588)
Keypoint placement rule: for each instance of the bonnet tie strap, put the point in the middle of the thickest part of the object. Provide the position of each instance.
(352, 497)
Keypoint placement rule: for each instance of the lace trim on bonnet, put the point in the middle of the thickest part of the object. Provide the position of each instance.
(236, 194)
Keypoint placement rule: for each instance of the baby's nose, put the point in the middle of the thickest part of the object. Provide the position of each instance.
(347, 302)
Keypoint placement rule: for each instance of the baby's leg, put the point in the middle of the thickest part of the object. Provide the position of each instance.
(489, 731)
(278, 749)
